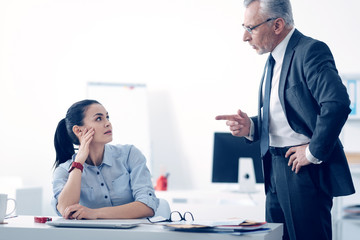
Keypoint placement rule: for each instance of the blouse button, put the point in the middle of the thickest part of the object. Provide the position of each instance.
(102, 184)
(150, 194)
(97, 173)
(106, 196)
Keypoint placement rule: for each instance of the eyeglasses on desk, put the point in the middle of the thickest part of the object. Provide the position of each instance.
(176, 216)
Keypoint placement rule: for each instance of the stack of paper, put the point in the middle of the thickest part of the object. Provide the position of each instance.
(246, 227)
(233, 226)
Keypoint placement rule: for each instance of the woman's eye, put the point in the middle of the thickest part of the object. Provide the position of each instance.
(98, 119)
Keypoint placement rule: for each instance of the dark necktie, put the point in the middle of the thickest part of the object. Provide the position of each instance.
(264, 137)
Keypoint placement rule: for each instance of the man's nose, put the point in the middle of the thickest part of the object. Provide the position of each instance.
(246, 36)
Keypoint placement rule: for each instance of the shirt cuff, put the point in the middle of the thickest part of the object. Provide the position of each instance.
(310, 157)
(252, 131)
(149, 200)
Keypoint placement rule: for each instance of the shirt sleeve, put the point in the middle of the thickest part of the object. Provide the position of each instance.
(252, 131)
(140, 179)
(310, 157)
(60, 177)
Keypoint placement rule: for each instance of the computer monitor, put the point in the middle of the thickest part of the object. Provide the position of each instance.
(227, 152)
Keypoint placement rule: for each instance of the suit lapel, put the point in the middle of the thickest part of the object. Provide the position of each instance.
(289, 53)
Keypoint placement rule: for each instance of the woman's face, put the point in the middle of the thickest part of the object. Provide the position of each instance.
(97, 117)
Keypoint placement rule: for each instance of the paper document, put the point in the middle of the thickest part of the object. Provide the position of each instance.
(214, 223)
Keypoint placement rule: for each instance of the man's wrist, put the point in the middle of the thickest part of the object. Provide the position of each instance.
(250, 137)
(310, 157)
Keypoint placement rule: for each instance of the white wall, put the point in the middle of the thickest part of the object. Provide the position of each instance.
(189, 53)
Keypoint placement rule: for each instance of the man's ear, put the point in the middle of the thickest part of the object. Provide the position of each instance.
(279, 25)
(77, 130)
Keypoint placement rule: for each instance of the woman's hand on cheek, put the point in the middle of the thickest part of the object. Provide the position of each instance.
(85, 138)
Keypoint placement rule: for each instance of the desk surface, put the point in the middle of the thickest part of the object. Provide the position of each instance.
(23, 227)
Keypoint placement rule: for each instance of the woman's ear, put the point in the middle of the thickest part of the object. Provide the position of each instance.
(77, 130)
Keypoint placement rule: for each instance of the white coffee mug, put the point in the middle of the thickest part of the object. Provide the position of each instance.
(3, 206)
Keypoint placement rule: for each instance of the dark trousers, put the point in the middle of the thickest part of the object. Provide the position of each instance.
(296, 199)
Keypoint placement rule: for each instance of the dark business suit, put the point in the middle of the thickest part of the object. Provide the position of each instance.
(316, 104)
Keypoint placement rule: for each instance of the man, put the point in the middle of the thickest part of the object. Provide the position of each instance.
(303, 106)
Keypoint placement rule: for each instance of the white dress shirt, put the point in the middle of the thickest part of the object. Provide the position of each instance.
(280, 132)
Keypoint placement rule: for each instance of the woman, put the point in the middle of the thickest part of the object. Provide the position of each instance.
(100, 180)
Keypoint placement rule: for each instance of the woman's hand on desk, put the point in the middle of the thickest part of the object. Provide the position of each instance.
(78, 211)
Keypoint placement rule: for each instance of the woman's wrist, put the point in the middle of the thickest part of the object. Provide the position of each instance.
(96, 213)
(80, 159)
(76, 165)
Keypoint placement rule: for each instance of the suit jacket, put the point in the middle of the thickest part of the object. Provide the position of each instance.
(316, 104)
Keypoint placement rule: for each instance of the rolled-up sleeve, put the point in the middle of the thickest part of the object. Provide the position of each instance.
(140, 179)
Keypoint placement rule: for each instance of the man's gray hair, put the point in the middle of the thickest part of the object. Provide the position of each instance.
(275, 9)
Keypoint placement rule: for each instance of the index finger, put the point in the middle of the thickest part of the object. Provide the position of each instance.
(67, 213)
(70, 210)
(225, 117)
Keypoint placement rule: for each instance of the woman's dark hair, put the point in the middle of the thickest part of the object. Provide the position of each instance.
(65, 138)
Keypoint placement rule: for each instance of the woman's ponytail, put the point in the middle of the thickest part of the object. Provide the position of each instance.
(63, 144)
(65, 138)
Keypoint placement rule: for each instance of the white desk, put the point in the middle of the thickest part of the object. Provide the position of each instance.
(23, 227)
